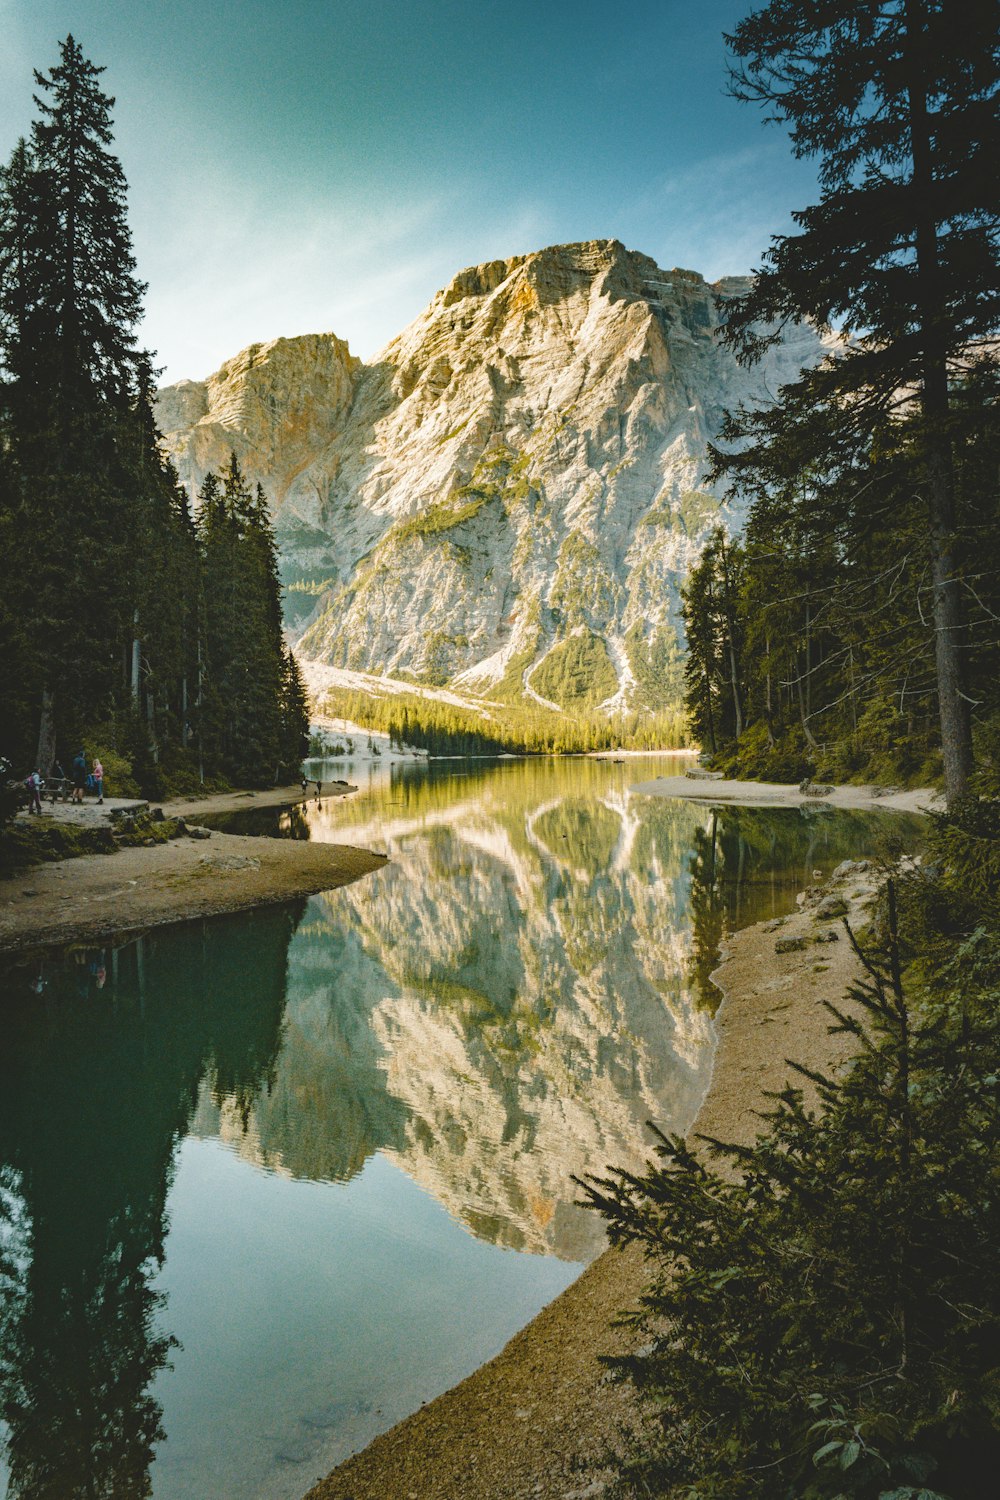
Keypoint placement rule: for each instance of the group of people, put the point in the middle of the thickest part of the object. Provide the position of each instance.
(80, 777)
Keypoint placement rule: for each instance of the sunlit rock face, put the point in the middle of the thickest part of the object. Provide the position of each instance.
(522, 465)
(503, 1008)
(275, 405)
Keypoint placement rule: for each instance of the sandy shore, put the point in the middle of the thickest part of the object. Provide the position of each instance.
(538, 1420)
(705, 788)
(100, 895)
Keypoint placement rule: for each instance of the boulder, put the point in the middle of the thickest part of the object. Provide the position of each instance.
(831, 907)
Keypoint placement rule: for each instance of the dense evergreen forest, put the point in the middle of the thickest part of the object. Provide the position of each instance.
(128, 625)
(443, 728)
(854, 629)
(812, 641)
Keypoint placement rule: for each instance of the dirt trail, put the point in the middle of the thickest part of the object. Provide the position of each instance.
(99, 895)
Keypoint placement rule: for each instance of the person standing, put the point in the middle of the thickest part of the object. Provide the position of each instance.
(79, 770)
(97, 771)
(34, 785)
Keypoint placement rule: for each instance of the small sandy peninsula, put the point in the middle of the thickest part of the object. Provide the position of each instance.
(539, 1419)
(99, 895)
(705, 787)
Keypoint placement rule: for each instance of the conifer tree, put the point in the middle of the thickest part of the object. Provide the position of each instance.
(69, 302)
(89, 279)
(253, 715)
(898, 102)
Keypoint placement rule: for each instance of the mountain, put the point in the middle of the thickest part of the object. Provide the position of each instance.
(508, 497)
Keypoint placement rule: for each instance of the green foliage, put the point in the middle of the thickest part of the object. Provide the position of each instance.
(251, 718)
(105, 627)
(835, 666)
(447, 729)
(899, 106)
(435, 520)
(119, 780)
(657, 665)
(824, 1314)
(577, 673)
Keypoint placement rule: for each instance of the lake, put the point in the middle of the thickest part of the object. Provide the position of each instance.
(269, 1182)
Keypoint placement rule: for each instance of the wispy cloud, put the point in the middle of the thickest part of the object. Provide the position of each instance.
(233, 270)
(717, 215)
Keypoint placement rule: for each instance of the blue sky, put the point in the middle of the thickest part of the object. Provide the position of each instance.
(306, 165)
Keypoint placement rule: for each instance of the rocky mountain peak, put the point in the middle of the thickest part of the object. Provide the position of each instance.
(509, 495)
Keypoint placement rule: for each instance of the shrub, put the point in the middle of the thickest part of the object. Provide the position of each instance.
(824, 1314)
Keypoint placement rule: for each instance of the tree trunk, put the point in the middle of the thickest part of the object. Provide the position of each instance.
(953, 706)
(46, 734)
(730, 632)
(802, 707)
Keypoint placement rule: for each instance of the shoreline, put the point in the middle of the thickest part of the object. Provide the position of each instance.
(537, 1421)
(96, 897)
(704, 787)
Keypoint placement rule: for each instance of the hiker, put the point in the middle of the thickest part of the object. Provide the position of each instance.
(34, 784)
(98, 774)
(79, 769)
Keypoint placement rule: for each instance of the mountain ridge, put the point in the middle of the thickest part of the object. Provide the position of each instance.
(509, 495)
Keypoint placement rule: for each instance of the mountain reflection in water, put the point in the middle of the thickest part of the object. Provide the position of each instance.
(522, 988)
(503, 1005)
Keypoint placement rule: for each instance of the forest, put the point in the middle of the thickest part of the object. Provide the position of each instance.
(851, 632)
(132, 624)
(500, 728)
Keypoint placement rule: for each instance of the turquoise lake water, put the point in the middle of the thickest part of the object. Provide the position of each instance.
(270, 1181)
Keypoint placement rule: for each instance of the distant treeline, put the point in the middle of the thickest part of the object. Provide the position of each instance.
(126, 625)
(446, 729)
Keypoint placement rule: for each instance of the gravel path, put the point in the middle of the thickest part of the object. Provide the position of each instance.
(102, 895)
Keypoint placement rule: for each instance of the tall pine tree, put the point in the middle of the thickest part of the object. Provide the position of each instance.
(69, 302)
(898, 102)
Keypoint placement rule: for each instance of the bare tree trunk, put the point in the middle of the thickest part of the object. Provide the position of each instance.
(733, 674)
(802, 707)
(949, 629)
(46, 734)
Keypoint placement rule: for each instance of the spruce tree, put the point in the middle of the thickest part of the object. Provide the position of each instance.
(69, 302)
(252, 716)
(897, 99)
(90, 281)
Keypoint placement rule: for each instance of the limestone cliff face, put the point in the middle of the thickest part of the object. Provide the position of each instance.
(276, 405)
(521, 466)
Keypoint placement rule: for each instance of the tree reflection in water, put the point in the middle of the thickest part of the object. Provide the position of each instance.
(748, 864)
(103, 1060)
